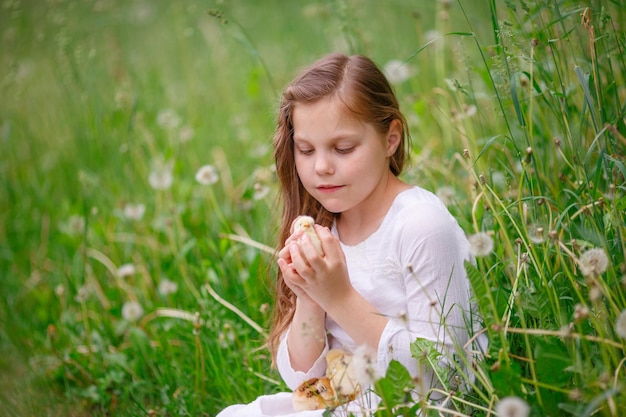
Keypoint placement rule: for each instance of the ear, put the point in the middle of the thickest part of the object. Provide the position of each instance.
(393, 137)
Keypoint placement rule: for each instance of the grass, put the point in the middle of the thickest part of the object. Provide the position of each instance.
(517, 115)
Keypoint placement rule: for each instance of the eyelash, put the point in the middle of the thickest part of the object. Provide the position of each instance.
(341, 151)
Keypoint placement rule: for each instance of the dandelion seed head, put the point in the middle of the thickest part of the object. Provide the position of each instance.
(59, 290)
(595, 294)
(397, 71)
(512, 407)
(134, 211)
(364, 366)
(167, 287)
(75, 225)
(132, 311)
(185, 134)
(593, 262)
(168, 119)
(126, 270)
(161, 177)
(481, 244)
(446, 194)
(536, 233)
(260, 191)
(82, 294)
(264, 308)
(431, 36)
(207, 175)
(620, 325)
(581, 312)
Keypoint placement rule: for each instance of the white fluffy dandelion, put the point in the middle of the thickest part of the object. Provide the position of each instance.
(185, 134)
(168, 119)
(167, 287)
(161, 178)
(207, 175)
(260, 191)
(134, 211)
(126, 270)
(82, 294)
(75, 225)
(432, 36)
(397, 71)
(512, 407)
(620, 325)
(593, 262)
(132, 311)
(481, 244)
(536, 233)
(364, 366)
(446, 194)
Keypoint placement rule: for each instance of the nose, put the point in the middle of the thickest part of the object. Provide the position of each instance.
(323, 164)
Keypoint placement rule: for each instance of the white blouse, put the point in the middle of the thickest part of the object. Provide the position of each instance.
(412, 270)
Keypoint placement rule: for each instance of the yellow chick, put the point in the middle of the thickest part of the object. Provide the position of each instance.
(337, 387)
(306, 223)
(340, 370)
(314, 394)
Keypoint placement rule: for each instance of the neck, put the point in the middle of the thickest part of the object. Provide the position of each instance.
(356, 225)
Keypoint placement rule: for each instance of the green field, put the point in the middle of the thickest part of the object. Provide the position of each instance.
(131, 285)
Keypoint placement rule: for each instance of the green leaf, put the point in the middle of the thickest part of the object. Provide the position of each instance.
(394, 386)
(427, 355)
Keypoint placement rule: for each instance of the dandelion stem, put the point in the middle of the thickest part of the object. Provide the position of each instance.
(234, 309)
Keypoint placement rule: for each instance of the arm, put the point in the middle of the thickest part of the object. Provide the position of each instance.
(432, 250)
(325, 280)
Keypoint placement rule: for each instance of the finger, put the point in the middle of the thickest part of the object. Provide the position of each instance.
(299, 261)
(306, 247)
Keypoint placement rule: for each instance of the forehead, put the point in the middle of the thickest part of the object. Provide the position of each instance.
(326, 117)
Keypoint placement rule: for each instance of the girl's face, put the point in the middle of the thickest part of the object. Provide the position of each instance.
(341, 161)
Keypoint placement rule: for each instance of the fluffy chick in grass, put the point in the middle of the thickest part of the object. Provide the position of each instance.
(337, 387)
(306, 223)
(314, 394)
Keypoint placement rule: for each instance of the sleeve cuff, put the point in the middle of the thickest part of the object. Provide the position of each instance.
(292, 377)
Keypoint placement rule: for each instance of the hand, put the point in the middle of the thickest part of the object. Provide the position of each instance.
(324, 279)
(289, 273)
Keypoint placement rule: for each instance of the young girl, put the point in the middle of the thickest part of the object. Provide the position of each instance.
(392, 268)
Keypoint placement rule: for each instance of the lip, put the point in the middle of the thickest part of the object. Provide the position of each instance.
(327, 188)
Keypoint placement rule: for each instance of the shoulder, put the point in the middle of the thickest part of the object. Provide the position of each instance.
(418, 214)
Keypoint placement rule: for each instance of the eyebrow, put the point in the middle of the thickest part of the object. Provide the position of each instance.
(335, 137)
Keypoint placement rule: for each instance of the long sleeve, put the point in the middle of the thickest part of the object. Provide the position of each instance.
(432, 250)
(294, 378)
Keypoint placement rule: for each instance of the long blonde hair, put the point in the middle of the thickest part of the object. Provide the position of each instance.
(364, 90)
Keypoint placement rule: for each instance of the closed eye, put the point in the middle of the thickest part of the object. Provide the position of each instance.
(345, 150)
(305, 151)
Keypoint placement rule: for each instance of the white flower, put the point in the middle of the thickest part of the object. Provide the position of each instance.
(447, 195)
(132, 311)
(364, 366)
(593, 262)
(134, 211)
(512, 407)
(126, 270)
(620, 325)
(161, 177)
(207, 175)
(481, 244)
(397, 71)
(168, 119)
(167, 287)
